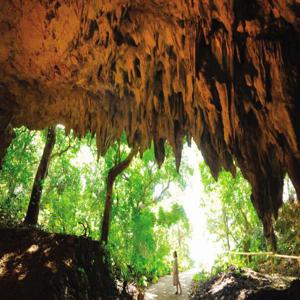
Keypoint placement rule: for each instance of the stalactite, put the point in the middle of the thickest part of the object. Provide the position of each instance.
(225, 73)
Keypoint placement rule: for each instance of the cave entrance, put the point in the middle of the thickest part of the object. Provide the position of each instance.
(224, 225)
(203, 248)
(153, 211)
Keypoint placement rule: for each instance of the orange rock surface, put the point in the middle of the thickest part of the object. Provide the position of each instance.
(223, 72)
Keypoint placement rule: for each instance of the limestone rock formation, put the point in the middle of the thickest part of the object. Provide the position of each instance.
(223, 72)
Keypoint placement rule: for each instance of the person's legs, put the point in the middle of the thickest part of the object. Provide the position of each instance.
(179, 287)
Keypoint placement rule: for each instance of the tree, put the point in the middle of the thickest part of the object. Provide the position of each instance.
(141, 242)
(111, 177)
(17, 174)
(230, 213)
(7, 134)
(37, 188)
(74, 194)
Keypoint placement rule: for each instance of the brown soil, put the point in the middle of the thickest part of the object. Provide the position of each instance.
(38, 265)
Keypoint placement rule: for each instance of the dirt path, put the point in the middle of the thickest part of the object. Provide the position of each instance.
(164, 290)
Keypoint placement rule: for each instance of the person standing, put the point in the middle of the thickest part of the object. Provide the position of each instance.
(176, 281)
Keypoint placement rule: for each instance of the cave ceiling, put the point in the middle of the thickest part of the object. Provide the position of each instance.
(223, 73)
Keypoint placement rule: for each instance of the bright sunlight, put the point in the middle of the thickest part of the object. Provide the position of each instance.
(203, 248)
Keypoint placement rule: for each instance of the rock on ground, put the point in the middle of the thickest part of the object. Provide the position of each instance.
(38, 265)
(246, 284)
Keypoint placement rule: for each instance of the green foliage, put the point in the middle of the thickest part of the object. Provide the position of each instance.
(140, 230)
(143, 232)
(231, 215)
(74, 194)
(233, 221)
(287, 229)
(168, 218)
(18, 173)
(202, 276)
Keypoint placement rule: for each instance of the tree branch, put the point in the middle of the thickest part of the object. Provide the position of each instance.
(60, 153)
(111, 177)
(159, 197)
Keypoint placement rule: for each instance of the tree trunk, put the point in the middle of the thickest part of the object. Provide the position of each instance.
(111, 177)
(6, 136)
(273, 241)
(227, 231)
(37, 188)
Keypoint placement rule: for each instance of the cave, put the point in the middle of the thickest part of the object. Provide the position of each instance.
(225, 74)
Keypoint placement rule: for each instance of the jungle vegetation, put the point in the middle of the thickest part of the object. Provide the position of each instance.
(61, 184)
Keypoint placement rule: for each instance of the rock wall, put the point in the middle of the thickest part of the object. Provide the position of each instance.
(223, 72)
(38, 265)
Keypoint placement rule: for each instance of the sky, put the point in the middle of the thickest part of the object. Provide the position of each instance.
(203, 248)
